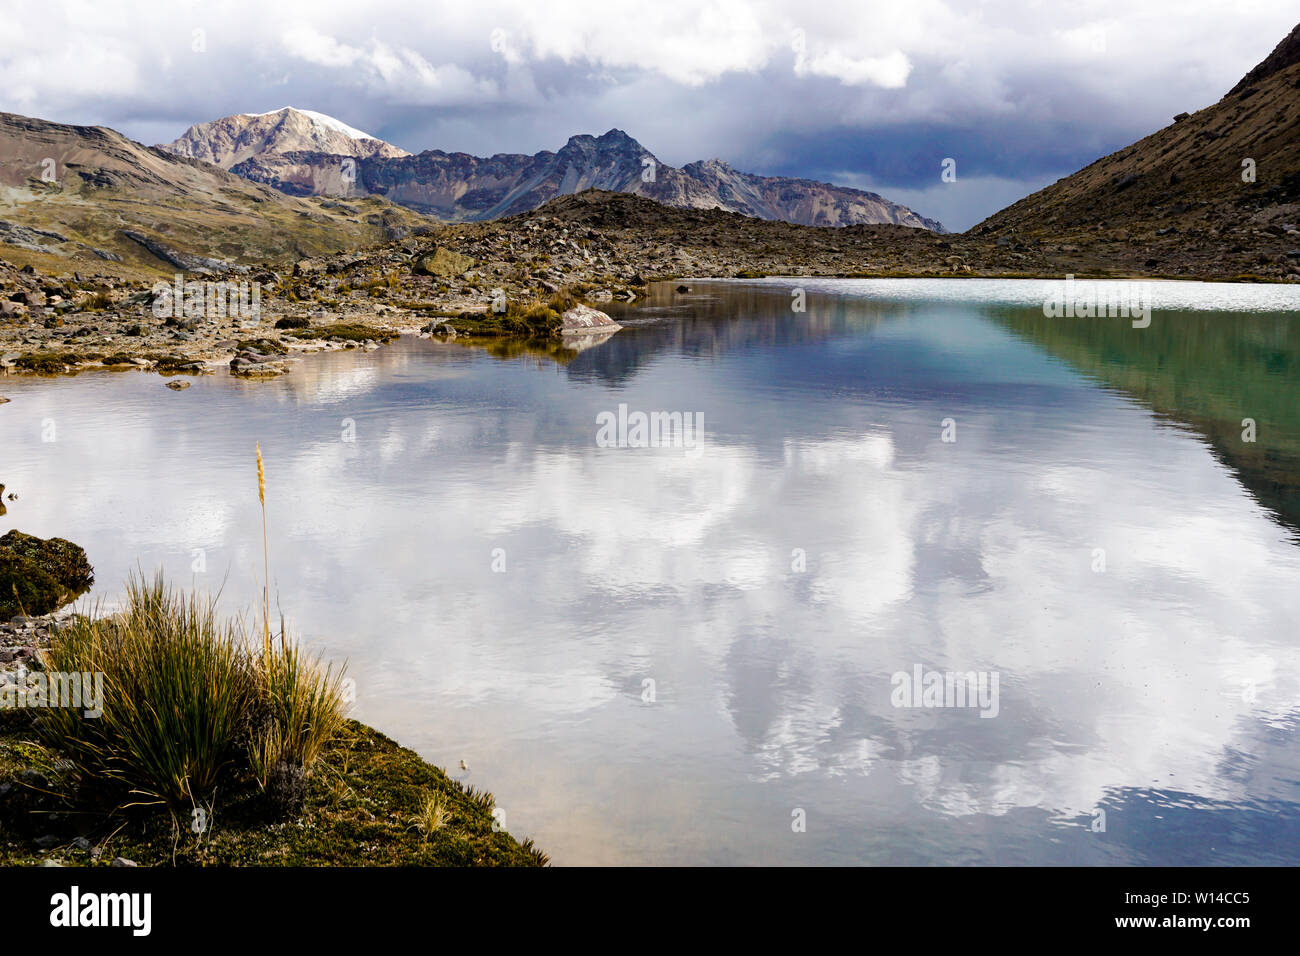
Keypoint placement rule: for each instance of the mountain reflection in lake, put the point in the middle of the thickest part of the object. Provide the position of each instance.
(681, 653)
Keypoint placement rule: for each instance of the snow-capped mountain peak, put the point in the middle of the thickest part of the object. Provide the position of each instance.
(329, 121)
(228, 141)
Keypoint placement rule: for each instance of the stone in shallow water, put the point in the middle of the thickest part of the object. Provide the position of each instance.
(584, 320)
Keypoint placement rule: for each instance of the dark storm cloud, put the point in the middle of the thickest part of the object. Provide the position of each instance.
(872, 95)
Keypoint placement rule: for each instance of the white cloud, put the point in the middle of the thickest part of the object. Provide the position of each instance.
(890, 71)
(394, 70)
(691, 79)
(307, 43)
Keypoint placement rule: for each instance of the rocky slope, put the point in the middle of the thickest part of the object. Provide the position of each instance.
(87, 198)
(1223, 182)
(458, 187)
(232, 139)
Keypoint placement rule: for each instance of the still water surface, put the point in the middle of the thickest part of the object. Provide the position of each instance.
(1098, 536)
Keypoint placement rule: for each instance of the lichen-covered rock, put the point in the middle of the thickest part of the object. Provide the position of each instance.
(443, 262)
(39, 575)
(584, 320)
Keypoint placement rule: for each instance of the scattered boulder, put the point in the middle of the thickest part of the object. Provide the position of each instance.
(178, 384)
(31, 298)
(584, 320)
(443, 262)
(253, 365)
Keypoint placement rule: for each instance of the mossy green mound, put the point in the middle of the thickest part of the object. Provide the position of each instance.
(39, 575)
(369, 802)
(529, 320)
(48, 363)
(344, 332)
(263, 345)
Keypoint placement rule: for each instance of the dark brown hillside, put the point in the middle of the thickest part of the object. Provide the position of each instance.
(1184, 183)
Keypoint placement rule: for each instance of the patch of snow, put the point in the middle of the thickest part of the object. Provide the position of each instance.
(321, 119)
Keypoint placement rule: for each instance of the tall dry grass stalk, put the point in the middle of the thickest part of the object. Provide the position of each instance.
(266, 556)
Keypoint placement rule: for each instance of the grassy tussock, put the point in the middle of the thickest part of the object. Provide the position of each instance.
(178, 693)
(188, 706)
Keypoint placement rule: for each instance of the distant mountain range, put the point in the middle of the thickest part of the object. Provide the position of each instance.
(1215, 193)
(309, 154)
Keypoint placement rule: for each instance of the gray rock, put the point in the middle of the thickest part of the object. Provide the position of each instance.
(584, 320)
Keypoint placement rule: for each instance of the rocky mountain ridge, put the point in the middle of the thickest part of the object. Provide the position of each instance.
(458, 187)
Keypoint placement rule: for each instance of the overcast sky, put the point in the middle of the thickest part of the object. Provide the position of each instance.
(867, 94)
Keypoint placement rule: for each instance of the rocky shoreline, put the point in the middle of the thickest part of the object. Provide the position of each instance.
(21, 640)
(471, 280)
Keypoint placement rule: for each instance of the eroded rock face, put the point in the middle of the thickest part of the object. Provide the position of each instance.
(39, 575)
(584, 320)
